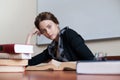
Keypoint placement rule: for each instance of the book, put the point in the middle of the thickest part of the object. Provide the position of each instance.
(53, 65)
(98, 67)
(16, 48)
(15, 56)
(13, 62)
(12, 68)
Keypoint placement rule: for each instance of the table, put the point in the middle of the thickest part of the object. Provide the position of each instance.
(39, 75)
(98, 77)
(55, 75)
(52, 75)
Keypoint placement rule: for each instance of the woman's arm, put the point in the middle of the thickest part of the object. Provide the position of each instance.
(30, 35)
(41, 57)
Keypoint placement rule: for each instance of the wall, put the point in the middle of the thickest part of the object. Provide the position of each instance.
(16, 20)
(110, 46)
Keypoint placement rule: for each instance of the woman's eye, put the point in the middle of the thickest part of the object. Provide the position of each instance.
(43, 31)
(49, 26)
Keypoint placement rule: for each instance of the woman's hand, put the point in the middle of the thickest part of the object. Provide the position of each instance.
(34, 31)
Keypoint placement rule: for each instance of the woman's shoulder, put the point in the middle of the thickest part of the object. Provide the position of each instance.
(66, 30)
(69, 34)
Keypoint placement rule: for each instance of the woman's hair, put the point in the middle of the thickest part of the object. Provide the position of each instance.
(45, 16)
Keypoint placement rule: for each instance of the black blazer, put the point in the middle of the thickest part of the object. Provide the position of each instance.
(74, 48)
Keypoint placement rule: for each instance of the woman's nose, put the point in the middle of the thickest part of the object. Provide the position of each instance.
(48, 31)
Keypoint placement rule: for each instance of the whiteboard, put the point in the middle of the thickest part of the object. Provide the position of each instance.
(92, 19)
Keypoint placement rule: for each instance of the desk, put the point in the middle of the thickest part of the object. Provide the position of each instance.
(54, 75)
(39, 75)
(98, 77)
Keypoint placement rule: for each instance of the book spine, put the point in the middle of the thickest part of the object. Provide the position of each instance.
(12, 68)
(15, 56)
(7, 48)
(13, 62)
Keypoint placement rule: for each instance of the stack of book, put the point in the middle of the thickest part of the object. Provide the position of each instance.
(14, 57)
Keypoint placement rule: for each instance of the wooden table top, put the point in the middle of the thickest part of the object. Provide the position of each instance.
(55, 75)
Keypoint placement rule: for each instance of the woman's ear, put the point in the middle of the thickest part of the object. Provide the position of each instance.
(58, 26)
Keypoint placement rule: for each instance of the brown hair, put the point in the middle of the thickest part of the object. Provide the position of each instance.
(45, 16)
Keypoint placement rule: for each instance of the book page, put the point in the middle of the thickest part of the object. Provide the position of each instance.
(68, 66)
(53, 65)
(41, 67)
(55, 62)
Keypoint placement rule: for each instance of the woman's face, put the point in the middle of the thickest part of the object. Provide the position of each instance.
(49, 29)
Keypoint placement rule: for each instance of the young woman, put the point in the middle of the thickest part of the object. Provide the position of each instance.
(67, 44)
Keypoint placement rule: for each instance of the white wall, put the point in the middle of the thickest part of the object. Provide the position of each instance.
(16, 20)
(110, 46)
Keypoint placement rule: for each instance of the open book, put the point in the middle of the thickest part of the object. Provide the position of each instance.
(54, 65)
